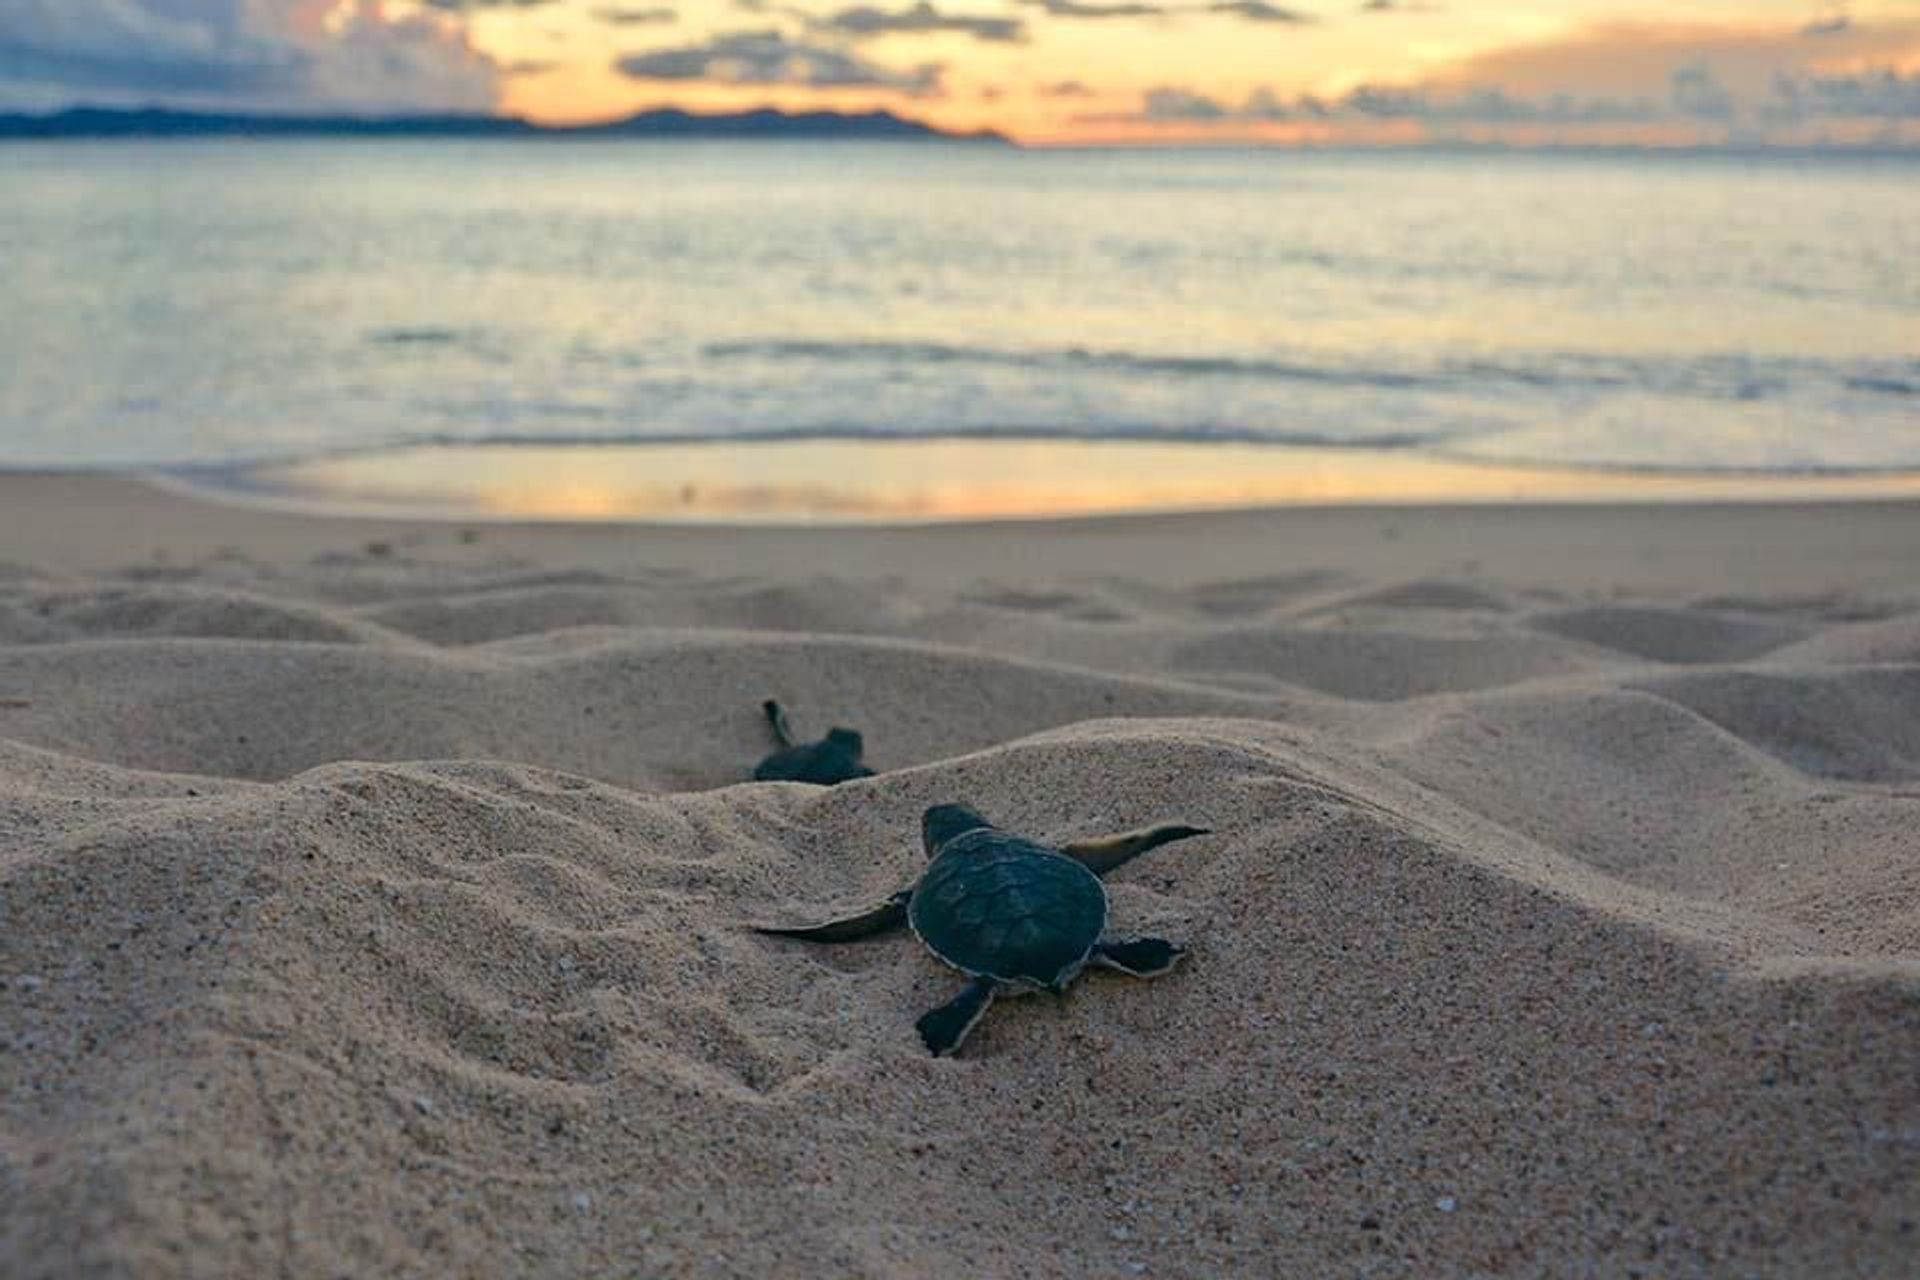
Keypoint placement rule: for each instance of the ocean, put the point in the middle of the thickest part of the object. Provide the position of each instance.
(193, 304)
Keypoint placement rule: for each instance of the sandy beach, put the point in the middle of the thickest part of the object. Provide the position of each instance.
(374, 894)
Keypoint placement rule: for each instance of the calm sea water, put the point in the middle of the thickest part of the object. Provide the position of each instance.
(187, 303)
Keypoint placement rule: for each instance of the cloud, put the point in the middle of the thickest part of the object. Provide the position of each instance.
(1711, 84)
(615, 17)
(1065, 89)
(1694, 95)
(770, 58)
(1695, 91)
(1246, 10)
(466, 6)
(1100, 9)
(1493, 105)
(106, 44)
(1634, 59)
(1260, 11)
(864, 22)
(1882, 95)
(1737, 81)
(255, 54)
(1170, 103)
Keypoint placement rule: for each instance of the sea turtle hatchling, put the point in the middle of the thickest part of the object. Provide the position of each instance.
(832, 760)
(1014, 915)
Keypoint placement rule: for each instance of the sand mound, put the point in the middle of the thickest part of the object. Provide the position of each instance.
(1859, 724)
(120, 612)
(474, 1017)
(1673, 635)
(655, 710)
(1886, 640)
(1378, 665)
(1437, 593)
(376, 914)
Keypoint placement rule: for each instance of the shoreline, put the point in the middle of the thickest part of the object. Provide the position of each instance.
(85, 522)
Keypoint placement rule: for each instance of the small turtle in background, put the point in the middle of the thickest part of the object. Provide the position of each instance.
(833, 759)
(1014, 915)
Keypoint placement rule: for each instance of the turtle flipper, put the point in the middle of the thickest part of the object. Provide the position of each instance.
(942, 1030)
(777, 718)
(1142, 957)
(1107, 852)
(890, 914)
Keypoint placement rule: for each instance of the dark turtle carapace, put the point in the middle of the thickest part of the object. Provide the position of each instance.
(833, 759)
(1013, 915)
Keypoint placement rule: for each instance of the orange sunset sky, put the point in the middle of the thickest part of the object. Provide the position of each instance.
(1361, 71)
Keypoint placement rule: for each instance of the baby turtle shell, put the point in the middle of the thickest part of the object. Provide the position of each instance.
(995, 906)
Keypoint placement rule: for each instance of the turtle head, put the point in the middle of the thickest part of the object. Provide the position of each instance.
(847, 740)
(945, 821)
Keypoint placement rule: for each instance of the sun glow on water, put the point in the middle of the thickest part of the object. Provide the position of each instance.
(840, 482)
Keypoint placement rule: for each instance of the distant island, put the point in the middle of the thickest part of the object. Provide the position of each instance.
(669, 122)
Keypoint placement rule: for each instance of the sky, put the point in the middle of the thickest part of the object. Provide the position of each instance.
(1646, 72)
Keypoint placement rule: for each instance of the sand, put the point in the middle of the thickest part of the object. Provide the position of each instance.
(372, 894)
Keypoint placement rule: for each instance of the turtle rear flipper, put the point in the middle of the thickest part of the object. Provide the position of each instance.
(1140, 958)
(889, 915)
(777, 719)
(1107, 852)
(943, 1030)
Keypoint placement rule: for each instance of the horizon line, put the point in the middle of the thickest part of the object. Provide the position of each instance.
(911, 129)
